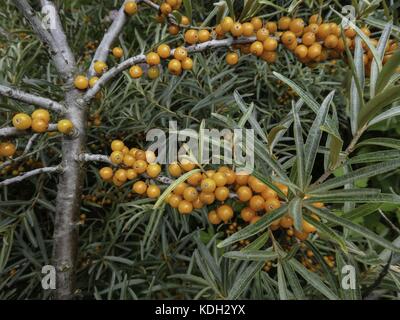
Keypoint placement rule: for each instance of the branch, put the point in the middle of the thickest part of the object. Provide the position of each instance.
(113, 72)
(29, 174)
(87, 157)
(11, 131)
(108, 39)
(57, 31)
(38, 101)
(64, 67)
(26, 150)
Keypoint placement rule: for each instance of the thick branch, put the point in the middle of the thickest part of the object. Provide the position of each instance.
(87, 157)
(29, 174)
(64, 67)
(115, 71)
(38, 101)
(11, 131)
(109, 37)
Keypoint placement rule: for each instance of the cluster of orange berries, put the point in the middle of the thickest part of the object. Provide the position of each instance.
(134, 162)
(15, 169)
(38, 121)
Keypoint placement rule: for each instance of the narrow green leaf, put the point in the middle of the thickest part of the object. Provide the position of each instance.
(383, 142)
(243, 280)
(298, 138)
(295, 210)
(388, 70)
(253, 255)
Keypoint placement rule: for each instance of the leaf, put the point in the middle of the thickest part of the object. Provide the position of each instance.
(209, 260)
(366, 172)
(376, 156)
(244, 279)
(295, 210)
(298, 138)
(313, 279)
(361, 211)
(383, 142)
(362, 195)
(254, 255)
(390, 113)
(381, 51)
(173, 186)
(388, 70)
(376, 104)
(293, 281)
(282, 287)
(315, 134)
(364, 232)
(255, 228)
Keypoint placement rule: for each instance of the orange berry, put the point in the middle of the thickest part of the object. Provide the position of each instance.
(227, 24)
(286, 222)
(262, 34)
(163, 51)
(153, 191)
(165, 8)
(237, 29)
(269, 56)
(312, 28)
(204, 35)
(308, 38)
(153, 72)
(175, 67)
(272, 27)
(190, 194)
(185, 207)
(120, 175)
(270, 44)
(257, 23)
(225, 212)
(269, 193)
(314, 51)
(175, 170)
(117, 145)
(301, 235)
(106, 173)
(315, 18)
(174, 200)
(350, 33)
(100, 67)
(7, 149)
(135, 72)
(221, 193)
(247, 214)
(153, 170)
(93, 81)
(284, 23)
(218, 30)
(208, 185)
(242, 179)
(331, 41)
(152, 58)
(180, 53)
(187, 64)
(187, 165)
(185, 21)
(297, 26)
(324, 30)
(139, 187)
(118, 52)
(207, 197)
(301, 51)
(180, 188)
(116, 157)
(220, 179)
(254, 219)
(366, 31)
(232, 58)
(191, 36)
(197, 203)
(257, 48)
(257, 203)
(248, 29)
(173, 29)
(288, 38)
(272, 204)
(41, 114)
(65, 126)
(256, 184)
(195, 179)
(131, 174)
(81, 82)
(140, 166)
(308, 227)
(130, 7)
(39, 125)
(213, 217)
(244, 193)
(22, 121)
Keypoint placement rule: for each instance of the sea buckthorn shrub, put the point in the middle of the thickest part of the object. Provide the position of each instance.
(323, 194)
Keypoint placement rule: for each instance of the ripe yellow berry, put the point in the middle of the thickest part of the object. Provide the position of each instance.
(272, 27)
(165, 8)
(100, 67)
(175, 67)
(220, 179)
(288, 38)
(153, 191)
(191, 36)
(7, 149)
(301, 51)
(65, 126)
(254, 219)
(236, 29)
(271, 204)
(180, 53)
(106, 173)
(135, 72)
(232, 58)
(297, 26)
(92, 81)
(257, 203)
(315, 18)
(241, 179)
(207, 197)
(140, 155)
(270, 44)
(117, 145)
(227, 24)
(130, 7)
(41, 114)
(195, 179)
(185, 21)
(257, 48)
(180, 188)
(314, 51)
(174, 200)
(81, 82)
(190, 194)
(22, 121)
(187, 165)
(128, 160)
(218, 31)
(331, 41)
(175, 170)
(213, 217)
(324, 30)
(153, 170)
(173, 29)
(116, 157)
(118, 52)
(204, 35)
(256, 184)
(187, 64)
(247, 214)
(131, 174)
(221, 193)
(308, 38)
(301, 235)
(269, 56)
(284, 23)
(257, 23)
(39, 125)
(269, 193)
(185, 207)
(350, 33)
(225, 213)
(163, 51)
(244, 193)
(208, 185)
(286, 222)
(308, 227)
(120, 175)
(153, 72)
(139, 187)
(247, 29)
(125, 150)
(153, 59)
(262, 34)
(140, 166)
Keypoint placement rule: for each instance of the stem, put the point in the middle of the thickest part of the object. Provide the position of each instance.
(11, 131)
(29, 174)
